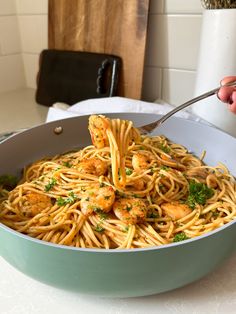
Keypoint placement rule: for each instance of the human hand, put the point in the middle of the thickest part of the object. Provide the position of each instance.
(227, 94)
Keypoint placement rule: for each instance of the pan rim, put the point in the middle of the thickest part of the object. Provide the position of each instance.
(117, 251)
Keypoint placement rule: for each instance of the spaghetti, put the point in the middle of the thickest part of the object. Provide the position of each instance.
(124, 191)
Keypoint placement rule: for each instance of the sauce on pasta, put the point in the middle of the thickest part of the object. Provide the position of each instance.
(124, 191)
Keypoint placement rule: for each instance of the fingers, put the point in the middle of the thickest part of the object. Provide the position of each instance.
(225, 94)
(232, 102)
(227, 79)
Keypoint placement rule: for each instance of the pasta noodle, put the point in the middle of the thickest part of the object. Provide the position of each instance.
(125, 191)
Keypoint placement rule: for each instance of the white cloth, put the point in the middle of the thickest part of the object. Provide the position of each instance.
(112, 104)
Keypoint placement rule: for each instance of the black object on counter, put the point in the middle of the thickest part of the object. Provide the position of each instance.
(72, 76)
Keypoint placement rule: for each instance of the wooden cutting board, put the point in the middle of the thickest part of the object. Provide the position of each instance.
(117, 27)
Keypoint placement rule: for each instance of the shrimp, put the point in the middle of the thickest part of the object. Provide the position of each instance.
(98, 200)
(139, 184)
(35, 203)
(142, 161)
(130, 210)
(93, 166)
(176, 210)
(98, 126)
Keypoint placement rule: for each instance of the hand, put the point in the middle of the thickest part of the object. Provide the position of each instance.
(227, 94)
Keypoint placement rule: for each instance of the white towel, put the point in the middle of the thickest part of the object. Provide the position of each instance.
(113, 104)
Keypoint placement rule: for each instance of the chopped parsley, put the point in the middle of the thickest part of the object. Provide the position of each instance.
(99, 228)
(58, 168)
(165, 149)
(198, 193)
(166, 168)
(101, 214)
(120, 194)
(215, 214)
(128, 208)
(128, 171)
(107, 197)
(181, 236)
(97, 210)
(68, 200)
(8, 181)
(152, 170)
(126, 229)
(67, 164)
(50, 185)
(152, 215)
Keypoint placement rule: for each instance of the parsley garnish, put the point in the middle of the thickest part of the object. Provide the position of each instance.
(120, 194)
(68, 200)
(165, 149)
(98, 228)
(128, 207)
(198, 193)
(126, 229)
(67, 164)
(97, 210)
(101, 214)
(50, 185)
(152, 215)
(8, 181)
(128, 171)
(180, 237)
(166, 168)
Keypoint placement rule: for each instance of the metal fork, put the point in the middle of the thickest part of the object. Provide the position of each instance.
(148, 128)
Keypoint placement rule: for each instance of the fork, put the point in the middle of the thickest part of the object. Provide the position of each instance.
(148, 128)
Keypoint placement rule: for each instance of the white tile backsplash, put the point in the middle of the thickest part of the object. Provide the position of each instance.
(9, 35)
(173, 41)
(11, 73)
(171, 54)
(177, 86)
(31, 66)
(7, 7)
(182, 6)
(32, 7)
(33, 30)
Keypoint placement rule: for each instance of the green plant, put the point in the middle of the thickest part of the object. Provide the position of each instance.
(219, 4)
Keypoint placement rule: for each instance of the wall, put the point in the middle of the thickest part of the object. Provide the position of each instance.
(171, 55)
(172, 50)
(11, 65)
(33, 26)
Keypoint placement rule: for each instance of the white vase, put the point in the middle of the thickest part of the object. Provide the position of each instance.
(217, 58)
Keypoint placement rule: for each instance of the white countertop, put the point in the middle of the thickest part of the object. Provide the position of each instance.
(214, 294)
(19, 294)
(18, 110)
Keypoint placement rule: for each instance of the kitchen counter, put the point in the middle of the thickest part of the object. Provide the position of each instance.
(19, 294)
(214, 294)
(18, 110)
